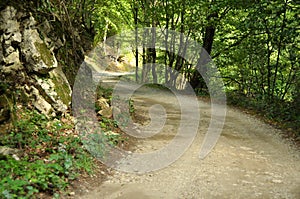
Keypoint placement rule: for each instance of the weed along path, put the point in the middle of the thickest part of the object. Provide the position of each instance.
(250, 159)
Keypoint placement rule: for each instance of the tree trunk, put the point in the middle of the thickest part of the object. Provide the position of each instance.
(136, 43)
(197, 80)
(153, 51)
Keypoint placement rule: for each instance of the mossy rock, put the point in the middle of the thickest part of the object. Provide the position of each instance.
(61, 85)
(46, 55)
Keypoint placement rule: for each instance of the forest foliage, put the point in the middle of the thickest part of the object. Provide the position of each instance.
(254, 44)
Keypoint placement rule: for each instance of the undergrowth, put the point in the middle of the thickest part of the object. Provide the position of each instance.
(51, 156)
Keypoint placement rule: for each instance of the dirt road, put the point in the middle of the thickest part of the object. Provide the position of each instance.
(250, 160)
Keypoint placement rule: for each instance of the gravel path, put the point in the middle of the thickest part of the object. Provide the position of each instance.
(250, 160)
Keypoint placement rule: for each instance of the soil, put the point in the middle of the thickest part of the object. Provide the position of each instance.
(250, 160)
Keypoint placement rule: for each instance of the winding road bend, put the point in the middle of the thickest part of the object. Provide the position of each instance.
(250, 160)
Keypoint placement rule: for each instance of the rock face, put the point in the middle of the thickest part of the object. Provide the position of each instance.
(29, 71)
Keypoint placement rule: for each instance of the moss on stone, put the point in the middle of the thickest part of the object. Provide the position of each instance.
(46, 55)
(61, 87)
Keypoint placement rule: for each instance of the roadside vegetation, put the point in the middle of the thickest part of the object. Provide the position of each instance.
(49, 156)
(46, 155)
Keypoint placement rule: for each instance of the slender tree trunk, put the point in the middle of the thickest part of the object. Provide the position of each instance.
(166, 44)
(166, 52)
(153, 49)
(269, 68)
(279, 48)
(136, 43)
(146, 36)
(197, 80)
(105, 37)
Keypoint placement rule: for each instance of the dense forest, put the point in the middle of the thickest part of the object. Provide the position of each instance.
(254, 44)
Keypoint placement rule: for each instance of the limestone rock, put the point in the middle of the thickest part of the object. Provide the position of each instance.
(12, 58)
(55, 89)
(13, 64)
(36, 53)
(105, 109)
(62, 86)
(40, 103)
(9, 50)
(106, 112)
(8, 13)
(102, 103)
(6, 151)
(28, 66)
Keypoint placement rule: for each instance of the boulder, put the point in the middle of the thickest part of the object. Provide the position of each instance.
(105, 108)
